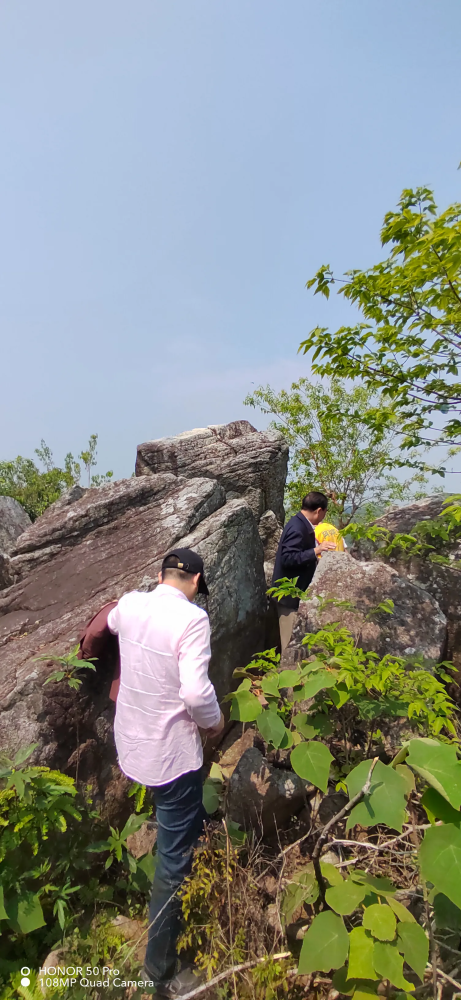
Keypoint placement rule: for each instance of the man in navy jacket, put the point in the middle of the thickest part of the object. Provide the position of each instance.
(297, 557)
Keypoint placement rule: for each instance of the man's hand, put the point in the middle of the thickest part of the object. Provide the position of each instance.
(325, 547)
(217, 730)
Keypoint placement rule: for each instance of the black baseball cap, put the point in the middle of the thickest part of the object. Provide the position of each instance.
(189, 562)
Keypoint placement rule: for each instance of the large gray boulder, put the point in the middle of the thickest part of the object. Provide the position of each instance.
(416, 627)
(249, 464)
(79, 556)
(439, 581)
(13, 521)
(231, 549)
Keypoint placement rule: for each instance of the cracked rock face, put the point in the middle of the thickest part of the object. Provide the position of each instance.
(248, 464)
(13, 521)
(89, 548)
(416, 627)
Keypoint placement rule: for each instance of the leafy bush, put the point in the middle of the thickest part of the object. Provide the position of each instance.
(52, 871)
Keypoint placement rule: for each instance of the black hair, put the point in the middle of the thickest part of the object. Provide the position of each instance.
(314, 500)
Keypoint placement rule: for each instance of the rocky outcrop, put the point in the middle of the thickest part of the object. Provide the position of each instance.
(262, 797)
(89, 548)
(417, 626)
(231, 549)
(269, 532)
(247, 463)
(13, 521)
(441, 582)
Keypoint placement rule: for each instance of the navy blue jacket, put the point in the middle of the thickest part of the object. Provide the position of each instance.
(295, 556)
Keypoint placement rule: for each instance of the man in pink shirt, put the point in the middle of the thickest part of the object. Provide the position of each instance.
(165, 696)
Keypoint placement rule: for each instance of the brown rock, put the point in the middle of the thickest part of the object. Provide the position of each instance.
(248, 463)
(261, 797)
(143, 841)
(417, 625)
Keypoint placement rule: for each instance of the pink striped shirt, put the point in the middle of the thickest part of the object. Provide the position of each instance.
(165, 692)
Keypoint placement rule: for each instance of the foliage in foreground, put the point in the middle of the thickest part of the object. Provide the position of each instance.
(53, 873)
(336, 448)
(36, 489)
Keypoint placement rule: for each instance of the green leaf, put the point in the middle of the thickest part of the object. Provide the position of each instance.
(216, 772)
(289, 678)
(312, 762)
(341, 982)
(325, 945)
(440, 860)
(210, 796)
(437, 807)
(345, 898)
(388, 963)
(25, 912)
(303, 724)
(401, 911)
(3, 913)
(439, 765)
(148, 864)
(245, 706)
(365, 991)
(380, 920)
(270, 686)
(23, 754)
(322, 725)
(303, 889)
(407, 776)
(288, 740)
(415, 947)
(385, 802)
(361, 955)
(331, 873)
(271, 727)
(339, 695)
(381, 886)
(446, 914)
(320, 680)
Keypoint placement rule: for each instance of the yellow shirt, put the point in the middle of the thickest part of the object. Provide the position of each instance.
(325, 532)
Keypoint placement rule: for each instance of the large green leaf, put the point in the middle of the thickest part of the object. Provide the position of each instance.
(380, 920)
(415, 946)
(361, 955)
(3, 913)
(325, 945)
(447, 915)
(440, 860)
(289, 678)
(346, 897)
(385, 802)
(319, 680)
(437, 807)
(25, 912)
(401, 911)
(270, 686)
(245, 706)
(271, 727)
(303, 724)
(331, 873)
(439, 765)
(210, 795)
(388, 963)
(303, 889)
(312, 762)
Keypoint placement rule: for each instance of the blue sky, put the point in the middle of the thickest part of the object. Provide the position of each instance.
(173, 172)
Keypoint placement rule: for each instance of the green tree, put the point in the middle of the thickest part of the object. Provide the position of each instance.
(36, 489)
(335, 446)
(409, 343)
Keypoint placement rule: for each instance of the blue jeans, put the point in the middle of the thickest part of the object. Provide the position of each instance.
(180, 816)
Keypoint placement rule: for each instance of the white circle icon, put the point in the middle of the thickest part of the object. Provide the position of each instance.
(25, 981)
